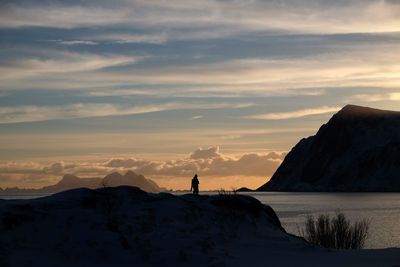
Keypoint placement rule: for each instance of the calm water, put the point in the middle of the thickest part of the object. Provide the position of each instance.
(382, 209)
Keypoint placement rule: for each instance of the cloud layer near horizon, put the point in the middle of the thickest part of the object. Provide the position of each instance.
(205, 162)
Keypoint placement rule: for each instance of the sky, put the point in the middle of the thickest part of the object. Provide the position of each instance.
(222, 88)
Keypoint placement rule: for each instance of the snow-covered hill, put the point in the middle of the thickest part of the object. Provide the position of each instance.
(124, 226)
(357, 150)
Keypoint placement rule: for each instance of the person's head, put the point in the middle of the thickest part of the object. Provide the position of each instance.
(195, 176)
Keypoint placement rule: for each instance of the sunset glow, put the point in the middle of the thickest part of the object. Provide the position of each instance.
(168, 89)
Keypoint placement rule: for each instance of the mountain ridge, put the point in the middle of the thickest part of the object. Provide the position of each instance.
(70, 181)
(357, 150)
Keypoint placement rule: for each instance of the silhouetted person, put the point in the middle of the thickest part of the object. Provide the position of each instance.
(195, 185)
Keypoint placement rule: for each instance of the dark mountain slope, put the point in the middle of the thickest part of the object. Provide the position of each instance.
(357, 150)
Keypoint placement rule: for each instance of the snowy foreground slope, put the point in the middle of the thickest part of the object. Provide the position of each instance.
(125, 226)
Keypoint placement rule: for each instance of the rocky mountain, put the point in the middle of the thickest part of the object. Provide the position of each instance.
(357, 150)
(70, 181)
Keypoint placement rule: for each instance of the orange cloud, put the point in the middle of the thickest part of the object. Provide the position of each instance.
(208, 163)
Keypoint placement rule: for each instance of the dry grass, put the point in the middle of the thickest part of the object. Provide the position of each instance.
(336, 232)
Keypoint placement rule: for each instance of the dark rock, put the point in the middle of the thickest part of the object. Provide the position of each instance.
(244, 189)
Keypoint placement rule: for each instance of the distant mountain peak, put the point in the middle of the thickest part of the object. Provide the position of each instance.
(360, 111)
(70, 181)
(357, 150)
(113, 175)
(131, 173)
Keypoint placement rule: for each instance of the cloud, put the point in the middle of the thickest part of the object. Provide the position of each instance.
(133, 38)
(42, 113)
(17, 114)
(271, 75)
(208, 162)
(212, 15)
(209, 153)
(65, 141)
(30, 180)
(24, 167)
(56, 16)
(196, 117)
(369, 66)
(127, 163)
(394, 96)
(76, 42)
(55, 168)
(295, 114)
(123, 92)
(53, 63)
(214, 91)
(33, 174)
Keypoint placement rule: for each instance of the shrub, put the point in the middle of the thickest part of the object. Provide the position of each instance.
(337, 232)
(222, 192)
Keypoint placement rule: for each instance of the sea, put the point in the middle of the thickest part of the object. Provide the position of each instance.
(381, 209)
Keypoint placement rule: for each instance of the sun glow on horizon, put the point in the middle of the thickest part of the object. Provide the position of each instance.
(148, 82)
(217, 170)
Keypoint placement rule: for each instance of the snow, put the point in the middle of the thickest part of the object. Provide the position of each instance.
(125, 226)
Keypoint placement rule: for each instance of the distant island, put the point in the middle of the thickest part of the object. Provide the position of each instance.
(358, 150)
(243, 189)
(70, 181)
